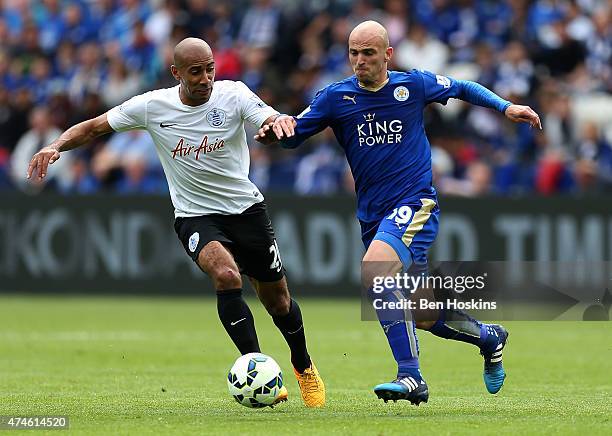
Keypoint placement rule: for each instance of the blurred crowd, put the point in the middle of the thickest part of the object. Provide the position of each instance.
(64, 61)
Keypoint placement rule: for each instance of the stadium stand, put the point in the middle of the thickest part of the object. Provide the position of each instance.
(67, 60)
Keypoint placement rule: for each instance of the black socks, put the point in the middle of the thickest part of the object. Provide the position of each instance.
(238, 321)
(292, 329)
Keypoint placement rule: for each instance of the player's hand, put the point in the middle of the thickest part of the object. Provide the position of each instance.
(266, 135)
(41, 160)
(523, 114)
(284, 126)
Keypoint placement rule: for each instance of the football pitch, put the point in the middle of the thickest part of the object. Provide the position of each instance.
(158, 365)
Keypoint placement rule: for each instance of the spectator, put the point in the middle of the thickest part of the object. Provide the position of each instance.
(599, 48)
(560, 53)
(19, 108)
(41, 81)
(27, 47)
(77, 57)
(124, 19)
(200, 17)
(138, 178)
(421, 50)
(515, 74)
(259, 171)
(16, 14)
(140, 53)
(41, 133)
(158, 26)
(594, 158)
(552, 174)
(579, 25)
(259, 25)
(121, 83)
(321, 171)
(77, 29)
(90, 73)
(48, 18)
(395, 20)
(476, 183)
(13, 122)
(111, 162)
(65, 62)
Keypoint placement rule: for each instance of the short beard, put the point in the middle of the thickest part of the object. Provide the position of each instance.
(366, 81)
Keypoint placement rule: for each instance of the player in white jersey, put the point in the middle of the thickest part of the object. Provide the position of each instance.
(220, 215)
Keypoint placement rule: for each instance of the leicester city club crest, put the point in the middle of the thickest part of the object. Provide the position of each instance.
(401, 93)
(216, 117)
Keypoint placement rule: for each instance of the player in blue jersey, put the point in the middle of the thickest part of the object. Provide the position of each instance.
(377, 117)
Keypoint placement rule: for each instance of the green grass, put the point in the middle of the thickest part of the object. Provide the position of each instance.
(137, 366)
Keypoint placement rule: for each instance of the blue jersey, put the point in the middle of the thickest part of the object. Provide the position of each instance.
(382, 134)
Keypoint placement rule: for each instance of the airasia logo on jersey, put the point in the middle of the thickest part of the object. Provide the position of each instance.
(184, 149)
(374, 132)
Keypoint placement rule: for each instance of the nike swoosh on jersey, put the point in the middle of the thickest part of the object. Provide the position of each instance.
(164, 125)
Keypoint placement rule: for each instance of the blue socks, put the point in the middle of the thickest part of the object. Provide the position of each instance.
(400, 330)
(459, 326)
(402, 339)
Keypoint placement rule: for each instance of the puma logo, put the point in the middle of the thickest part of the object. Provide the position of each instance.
(346, 97)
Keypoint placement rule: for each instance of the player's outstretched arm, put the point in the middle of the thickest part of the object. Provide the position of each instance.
(74, 137)
(523, 114)
(475, 93)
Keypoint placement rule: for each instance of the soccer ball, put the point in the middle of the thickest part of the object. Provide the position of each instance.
(255, 380)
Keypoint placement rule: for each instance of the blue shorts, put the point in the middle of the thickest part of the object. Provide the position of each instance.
(410, 228)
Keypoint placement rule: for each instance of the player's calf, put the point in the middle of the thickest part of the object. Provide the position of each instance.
(274, 296)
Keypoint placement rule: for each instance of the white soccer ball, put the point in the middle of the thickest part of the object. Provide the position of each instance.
(255, 380)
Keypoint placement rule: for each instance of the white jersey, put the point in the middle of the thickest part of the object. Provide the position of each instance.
(203, 149)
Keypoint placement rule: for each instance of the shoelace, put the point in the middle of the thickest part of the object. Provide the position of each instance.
(312, 383)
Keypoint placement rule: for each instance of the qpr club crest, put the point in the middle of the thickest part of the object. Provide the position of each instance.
(194, 239)
(216, 117)
(401, 93)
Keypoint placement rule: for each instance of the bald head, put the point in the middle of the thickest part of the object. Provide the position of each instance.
(370, 32)
(194, 68)
(369, 53)
(190, 49)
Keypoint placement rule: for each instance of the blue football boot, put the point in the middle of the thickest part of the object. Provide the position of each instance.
(403, 388)
(494, 374)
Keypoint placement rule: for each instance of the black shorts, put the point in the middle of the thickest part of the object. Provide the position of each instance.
(249, 236)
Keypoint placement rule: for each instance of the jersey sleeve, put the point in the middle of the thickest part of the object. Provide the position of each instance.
(253, 109)
(437, 88)
(311, 121)
(129, 115)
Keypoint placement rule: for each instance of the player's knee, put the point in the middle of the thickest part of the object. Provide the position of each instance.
(227, 278)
